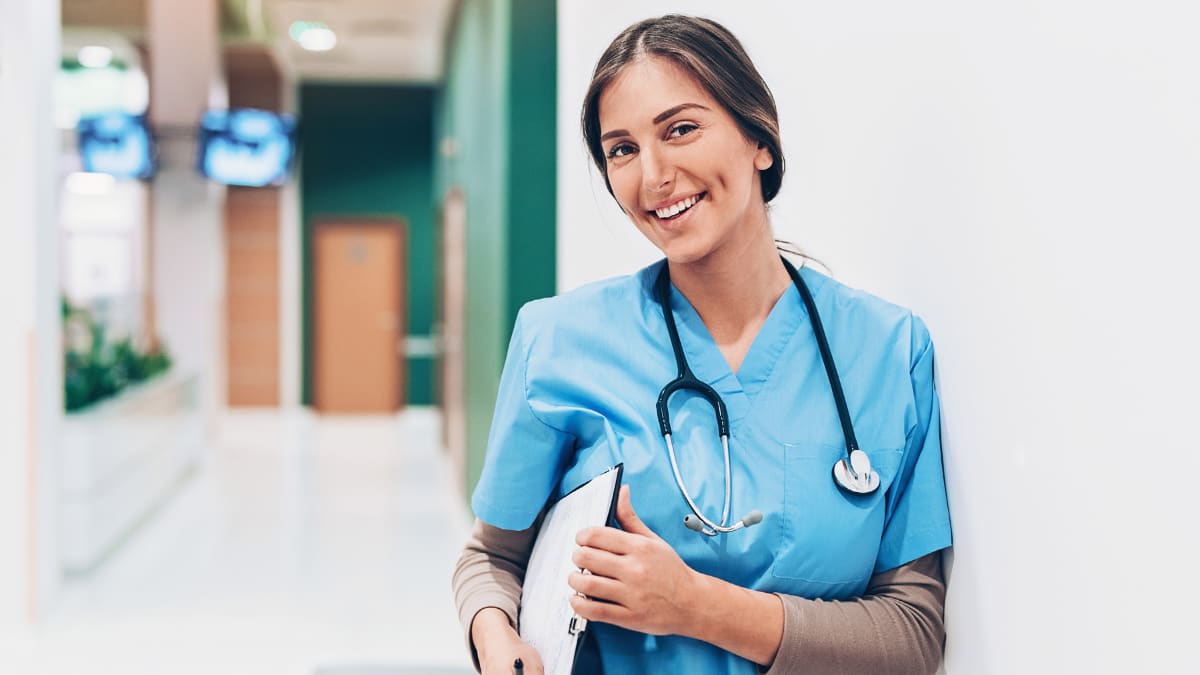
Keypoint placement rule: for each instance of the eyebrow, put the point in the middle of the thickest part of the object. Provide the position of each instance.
(658, 119)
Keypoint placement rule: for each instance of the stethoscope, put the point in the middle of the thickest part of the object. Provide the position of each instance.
(852, 473)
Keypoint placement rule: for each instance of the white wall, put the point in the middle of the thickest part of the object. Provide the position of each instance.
(189, 219)
(1024, 175)
(30, 351)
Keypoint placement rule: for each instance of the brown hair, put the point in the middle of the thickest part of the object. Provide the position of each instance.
(708, 51)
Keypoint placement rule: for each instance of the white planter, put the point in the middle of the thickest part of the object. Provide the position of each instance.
(119, 460)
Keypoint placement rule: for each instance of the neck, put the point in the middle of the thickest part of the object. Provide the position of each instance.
(734, 288)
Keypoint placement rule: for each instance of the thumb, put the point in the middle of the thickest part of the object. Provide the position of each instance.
(628, 518)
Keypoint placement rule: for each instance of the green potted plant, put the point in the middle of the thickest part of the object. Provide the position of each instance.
(94, 368)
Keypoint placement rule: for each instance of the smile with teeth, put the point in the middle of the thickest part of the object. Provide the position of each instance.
(678, 207)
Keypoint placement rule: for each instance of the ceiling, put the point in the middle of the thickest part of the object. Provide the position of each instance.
(378, 40)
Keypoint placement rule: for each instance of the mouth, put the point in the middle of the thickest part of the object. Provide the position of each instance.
(674, 212)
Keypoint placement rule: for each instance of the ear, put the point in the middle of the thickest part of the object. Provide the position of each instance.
(763, 159)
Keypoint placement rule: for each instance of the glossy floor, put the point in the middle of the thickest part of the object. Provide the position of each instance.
(304, 544)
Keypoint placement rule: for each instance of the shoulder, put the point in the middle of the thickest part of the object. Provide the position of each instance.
(600, 305)
(866, 319)
(606, 299)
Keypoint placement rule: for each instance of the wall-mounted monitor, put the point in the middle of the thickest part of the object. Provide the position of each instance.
(247, 147)
(116, 143)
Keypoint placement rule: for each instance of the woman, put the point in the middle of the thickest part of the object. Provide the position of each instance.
(685, 132)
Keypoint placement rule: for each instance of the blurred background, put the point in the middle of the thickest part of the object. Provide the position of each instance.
(261, 259)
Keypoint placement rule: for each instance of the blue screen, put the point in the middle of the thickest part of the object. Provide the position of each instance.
(118, 144)
(246, 147)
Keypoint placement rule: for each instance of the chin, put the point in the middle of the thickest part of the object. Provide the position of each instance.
(682, 252)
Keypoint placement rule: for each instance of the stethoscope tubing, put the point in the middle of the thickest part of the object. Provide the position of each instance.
(835, 381)
(686, 380)
(728, 482)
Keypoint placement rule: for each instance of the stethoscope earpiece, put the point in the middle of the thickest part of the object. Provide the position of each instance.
(693, 523)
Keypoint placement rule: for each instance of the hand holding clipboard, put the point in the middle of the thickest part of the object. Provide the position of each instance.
(546, 620)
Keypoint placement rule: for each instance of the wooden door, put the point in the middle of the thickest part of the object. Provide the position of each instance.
(452, 328)
(359, 313)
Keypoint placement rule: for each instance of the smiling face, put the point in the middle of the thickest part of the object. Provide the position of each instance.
(679, 165)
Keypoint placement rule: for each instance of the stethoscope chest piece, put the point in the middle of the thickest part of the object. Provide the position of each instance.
(857, 478)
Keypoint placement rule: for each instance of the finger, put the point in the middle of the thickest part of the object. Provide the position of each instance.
(598, 561)
(604, 612)
(628, 518)
(609, 539)
(596, 587)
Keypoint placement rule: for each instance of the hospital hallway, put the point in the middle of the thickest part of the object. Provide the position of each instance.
(303, 544)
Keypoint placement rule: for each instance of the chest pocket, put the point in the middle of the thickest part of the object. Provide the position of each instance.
(828, 536)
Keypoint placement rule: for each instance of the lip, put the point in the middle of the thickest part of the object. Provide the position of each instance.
(673, 200)
(681, 220)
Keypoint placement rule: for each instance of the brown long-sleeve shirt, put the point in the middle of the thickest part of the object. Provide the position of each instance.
(895, 627)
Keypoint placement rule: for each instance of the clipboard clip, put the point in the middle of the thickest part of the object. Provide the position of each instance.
(578, 625)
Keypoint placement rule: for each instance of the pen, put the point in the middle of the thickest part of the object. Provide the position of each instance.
(518, 667)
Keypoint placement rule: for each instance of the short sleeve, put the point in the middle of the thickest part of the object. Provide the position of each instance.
(525, 456)
(918, 515)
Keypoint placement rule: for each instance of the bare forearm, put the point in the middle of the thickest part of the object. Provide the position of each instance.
(745, 622)
(896, 627)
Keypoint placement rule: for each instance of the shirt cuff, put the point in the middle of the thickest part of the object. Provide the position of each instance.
(790, 653)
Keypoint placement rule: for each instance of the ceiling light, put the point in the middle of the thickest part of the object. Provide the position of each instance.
(313, 35)
(318, 40)
(95, 57)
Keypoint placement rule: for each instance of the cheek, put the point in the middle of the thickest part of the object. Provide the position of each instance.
(625, 188)
(737, 170)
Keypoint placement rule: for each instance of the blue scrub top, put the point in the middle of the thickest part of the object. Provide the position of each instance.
(578, 393)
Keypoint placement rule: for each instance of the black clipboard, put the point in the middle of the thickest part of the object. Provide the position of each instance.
(545, 620)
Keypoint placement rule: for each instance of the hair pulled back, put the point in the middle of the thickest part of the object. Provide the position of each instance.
(712, 55)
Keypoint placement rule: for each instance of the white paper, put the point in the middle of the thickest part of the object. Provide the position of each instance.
(546, 614)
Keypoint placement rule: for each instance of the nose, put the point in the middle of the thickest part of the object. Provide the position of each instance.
(658, 174)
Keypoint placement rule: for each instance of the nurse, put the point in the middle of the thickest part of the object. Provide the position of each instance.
(686, 135)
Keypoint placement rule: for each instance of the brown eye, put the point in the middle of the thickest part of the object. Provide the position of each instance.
(620, 150)
(681, 129)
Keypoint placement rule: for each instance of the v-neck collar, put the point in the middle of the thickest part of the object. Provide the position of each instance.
(709, 364)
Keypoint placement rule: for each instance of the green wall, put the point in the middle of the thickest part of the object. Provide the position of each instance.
(532, 165)
(498, 106)
(368, 151)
